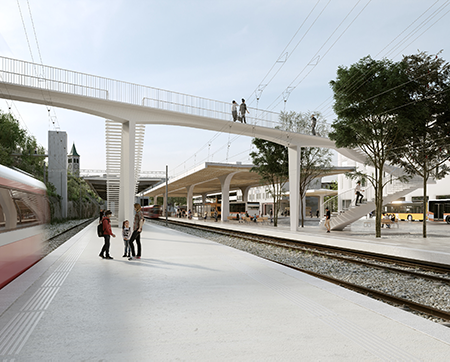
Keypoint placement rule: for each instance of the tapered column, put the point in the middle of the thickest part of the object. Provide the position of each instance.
(127, 175)
(190, 195)
(225, 185)
(294, 186)
(245, 191)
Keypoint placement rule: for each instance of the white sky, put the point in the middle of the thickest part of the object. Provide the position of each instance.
(214, 49)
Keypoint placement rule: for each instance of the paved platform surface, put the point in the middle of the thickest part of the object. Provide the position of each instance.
(190, 299)
(404, 240)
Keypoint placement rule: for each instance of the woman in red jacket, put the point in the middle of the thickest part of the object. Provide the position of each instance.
(107, 232)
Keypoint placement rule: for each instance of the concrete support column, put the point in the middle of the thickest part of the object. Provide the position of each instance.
(245, 191)
(225, 185)
(190, 195)
(127, 176)
(294, 186)
(203, 205)
(321, 209)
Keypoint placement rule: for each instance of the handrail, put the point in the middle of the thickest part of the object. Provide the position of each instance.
(46, 78)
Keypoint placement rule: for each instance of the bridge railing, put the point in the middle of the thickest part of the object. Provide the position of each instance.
(19, 72)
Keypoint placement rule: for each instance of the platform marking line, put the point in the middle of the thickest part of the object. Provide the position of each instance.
(366, 339)
(16, 333)
(358, 334)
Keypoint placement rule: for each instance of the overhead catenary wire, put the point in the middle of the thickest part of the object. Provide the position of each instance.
(260, 88)
(53, 119)
(325, 106)
(292, 87)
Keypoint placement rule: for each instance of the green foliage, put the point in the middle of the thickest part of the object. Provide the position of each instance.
(78, 188)
(17, 148)
(426, 120)
(271, 163)
(368, 97)
(175, 201)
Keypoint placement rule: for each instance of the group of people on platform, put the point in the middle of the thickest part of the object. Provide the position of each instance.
(182, 213)
(129, 235)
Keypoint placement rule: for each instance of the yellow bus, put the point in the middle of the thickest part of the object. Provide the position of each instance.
(438, 209)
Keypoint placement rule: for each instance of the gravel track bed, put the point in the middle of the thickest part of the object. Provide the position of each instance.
(423, 291)
(54, 229)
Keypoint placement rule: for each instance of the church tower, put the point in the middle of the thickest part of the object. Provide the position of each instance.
(73, 161)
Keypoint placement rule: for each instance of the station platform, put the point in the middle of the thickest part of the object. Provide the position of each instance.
(403, 240)
(191, 299)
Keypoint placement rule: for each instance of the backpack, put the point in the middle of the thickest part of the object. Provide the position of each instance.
(100, 230)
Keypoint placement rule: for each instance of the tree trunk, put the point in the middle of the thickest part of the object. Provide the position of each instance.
(378, 204)
(424, 226)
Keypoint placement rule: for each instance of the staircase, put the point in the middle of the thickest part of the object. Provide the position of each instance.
(113, 133)
(392, 191)
(354, 213)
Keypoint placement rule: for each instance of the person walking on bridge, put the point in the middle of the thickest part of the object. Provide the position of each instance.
(313, 125)
(137, 228)
(234, 112)
(243, 109)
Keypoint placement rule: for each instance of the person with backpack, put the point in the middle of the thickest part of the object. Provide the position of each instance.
(243, 109)
(107, 233)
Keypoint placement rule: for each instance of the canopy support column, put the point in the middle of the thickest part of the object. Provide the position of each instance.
(127, 173)
(294, 186)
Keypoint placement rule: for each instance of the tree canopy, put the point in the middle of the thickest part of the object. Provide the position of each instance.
(17, 147)
(368, 96)
(425, 120)
(271, 163)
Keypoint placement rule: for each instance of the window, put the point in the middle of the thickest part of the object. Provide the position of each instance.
(2, 219)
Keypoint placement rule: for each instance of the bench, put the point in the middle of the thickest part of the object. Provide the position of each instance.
(389, 222)
(262, 220)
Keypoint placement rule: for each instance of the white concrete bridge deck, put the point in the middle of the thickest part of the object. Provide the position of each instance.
(191, 299)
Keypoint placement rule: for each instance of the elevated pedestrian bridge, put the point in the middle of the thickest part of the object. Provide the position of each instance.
(128, 106)
(133, 105)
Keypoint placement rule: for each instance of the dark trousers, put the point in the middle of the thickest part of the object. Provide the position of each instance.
(359, 196)
(135, 236)
(105, 249)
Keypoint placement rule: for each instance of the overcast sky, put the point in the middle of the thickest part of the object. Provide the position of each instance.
(218, 49)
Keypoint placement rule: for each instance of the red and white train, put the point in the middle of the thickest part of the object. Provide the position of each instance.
(24, 209)
(152, 211)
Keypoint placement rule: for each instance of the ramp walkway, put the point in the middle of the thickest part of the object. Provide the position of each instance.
(192, 299)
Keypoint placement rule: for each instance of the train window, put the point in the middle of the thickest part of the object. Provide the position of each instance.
(2, 219)
(27, 208)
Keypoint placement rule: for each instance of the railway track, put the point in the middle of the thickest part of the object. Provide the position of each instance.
(407, 267)
(53, 242)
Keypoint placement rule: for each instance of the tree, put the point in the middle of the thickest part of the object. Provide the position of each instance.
(271, 163)
(18, 149)
(314, 161)
(368, 96)
(426, 120)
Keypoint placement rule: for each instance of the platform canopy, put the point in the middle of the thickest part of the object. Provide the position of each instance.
(206, 179)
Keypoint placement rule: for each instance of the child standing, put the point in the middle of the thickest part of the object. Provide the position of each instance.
(126, 234)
